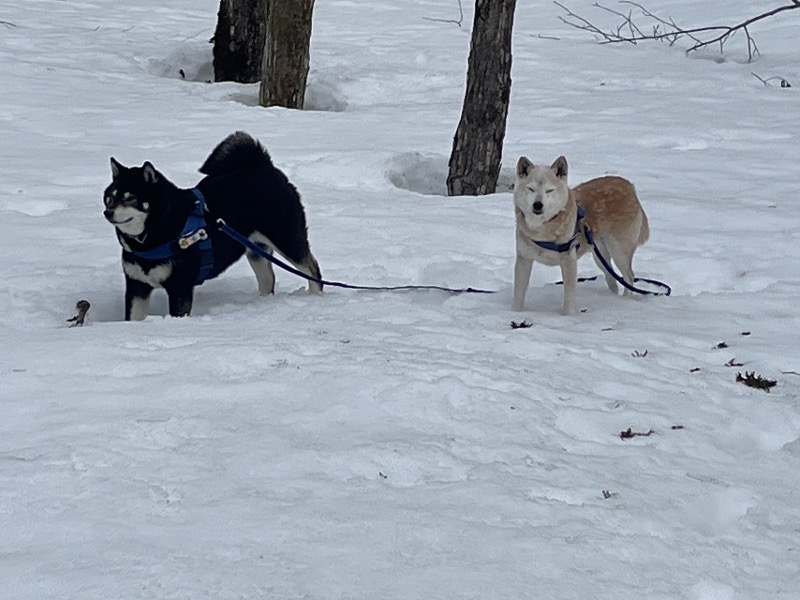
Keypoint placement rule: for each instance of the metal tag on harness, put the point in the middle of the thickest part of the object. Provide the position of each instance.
(190, 240)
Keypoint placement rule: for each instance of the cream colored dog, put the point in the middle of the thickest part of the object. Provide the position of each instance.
(548, 232)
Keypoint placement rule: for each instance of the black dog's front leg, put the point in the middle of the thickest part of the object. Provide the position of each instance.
(180, 299)
(137, 299)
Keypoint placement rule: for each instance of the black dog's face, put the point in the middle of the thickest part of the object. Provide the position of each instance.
(128, 198)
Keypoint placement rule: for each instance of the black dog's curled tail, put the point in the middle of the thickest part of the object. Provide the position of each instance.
(237, 151)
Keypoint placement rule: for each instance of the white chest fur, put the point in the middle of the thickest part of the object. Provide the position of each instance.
(155, 277)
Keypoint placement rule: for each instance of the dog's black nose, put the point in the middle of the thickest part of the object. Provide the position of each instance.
(108, 213)
(537, 207)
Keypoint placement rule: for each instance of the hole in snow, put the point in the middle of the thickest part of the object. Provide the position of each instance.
(427, 174)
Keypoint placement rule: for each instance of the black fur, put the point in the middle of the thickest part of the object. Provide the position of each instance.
(241, 186)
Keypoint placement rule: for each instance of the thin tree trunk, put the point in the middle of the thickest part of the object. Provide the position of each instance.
(478, 143)
(239, 40)
(286, 53)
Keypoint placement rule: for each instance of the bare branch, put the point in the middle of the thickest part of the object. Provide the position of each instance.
(545, 37)
(627, 31)
(784, 83)
(460, 17)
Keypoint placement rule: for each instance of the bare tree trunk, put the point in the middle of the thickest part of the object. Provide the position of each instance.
(286, 53)
(478, 144)
(239, 40)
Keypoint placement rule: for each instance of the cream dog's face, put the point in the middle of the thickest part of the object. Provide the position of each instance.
(540, 192)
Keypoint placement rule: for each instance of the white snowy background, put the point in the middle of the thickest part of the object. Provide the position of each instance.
(399, 446)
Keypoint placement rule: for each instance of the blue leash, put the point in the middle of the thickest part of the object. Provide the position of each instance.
(620, 280)
(225, 228)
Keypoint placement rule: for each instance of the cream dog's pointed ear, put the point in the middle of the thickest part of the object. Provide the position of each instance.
(560, 167)
(524, 166)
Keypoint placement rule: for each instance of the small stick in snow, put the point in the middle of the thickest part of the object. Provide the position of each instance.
(732, 363)
(83, 307)
(784, 83)
(629, 433)
(521, 324)
(721, 345)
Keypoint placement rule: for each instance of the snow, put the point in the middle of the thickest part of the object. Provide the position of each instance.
(374, 445)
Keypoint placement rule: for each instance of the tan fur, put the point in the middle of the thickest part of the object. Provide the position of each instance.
(613, 212)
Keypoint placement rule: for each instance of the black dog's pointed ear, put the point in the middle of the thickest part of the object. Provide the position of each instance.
(149, 172)
(524, 167)
(115, 168)
(560, 167)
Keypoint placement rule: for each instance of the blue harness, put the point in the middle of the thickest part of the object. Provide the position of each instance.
(193, 232)
(569, 244)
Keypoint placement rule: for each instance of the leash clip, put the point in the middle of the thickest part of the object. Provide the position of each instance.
(191, 240)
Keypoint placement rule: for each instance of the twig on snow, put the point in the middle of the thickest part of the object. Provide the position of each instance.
(629, 433)
(458, 22)
(784, 83)
(83, 307)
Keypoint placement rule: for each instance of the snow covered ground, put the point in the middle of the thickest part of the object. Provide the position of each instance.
(399, 446)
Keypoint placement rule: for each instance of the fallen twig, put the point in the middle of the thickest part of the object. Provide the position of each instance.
(458, 22)
(784, 83)
(83, 307)
(521, 324)
(629, 433)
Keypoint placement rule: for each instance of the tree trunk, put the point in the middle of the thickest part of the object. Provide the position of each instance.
(478, 144)
(286, 53)
(239, 40)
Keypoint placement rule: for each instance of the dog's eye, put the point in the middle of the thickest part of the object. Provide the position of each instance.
(549, 190)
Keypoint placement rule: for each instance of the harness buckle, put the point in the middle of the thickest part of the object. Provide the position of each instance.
(190, 240)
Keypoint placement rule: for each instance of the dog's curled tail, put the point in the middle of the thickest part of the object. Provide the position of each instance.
(237, 151)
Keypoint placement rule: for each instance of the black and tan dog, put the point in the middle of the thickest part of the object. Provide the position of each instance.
(169, 236)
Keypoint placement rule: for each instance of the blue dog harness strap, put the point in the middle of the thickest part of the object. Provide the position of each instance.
(193, 232)
(569, 244)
